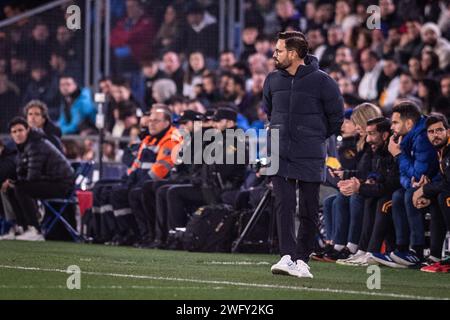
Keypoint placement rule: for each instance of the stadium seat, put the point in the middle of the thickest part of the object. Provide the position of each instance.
(82, 171)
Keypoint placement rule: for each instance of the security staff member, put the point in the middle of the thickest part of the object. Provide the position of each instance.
(152, 227)
(304, 104)
(216, 178)
(153, 162)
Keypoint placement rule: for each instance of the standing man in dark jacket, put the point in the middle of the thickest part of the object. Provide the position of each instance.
(304, 104)
(42, 173)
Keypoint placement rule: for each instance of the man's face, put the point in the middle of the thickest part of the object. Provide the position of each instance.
(67, 86)
(187, 126)
(18, 65)
(406, 85)
(194, 19)
(315, 39)
(374, 138)
(38, 74)
(249, 35)
(389, 68)
(334, 36)
(221, 125)
(63, 34)
(105, 86)
(400, 127)
(157, 123)
(283, 58)
(227, 60)
(285, 10)
(134, 11)
(429, 37)
(150, 71)
(438, 135)
(171, 62)
(40, 32)
(343, 55)
(345, 86)
(35, 118)
(445, 87)
(19, 133)
(367, 62)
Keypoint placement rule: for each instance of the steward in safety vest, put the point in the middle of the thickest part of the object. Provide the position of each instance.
(153, 160)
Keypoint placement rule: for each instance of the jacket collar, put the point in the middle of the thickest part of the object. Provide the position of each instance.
(418, 128)
(311, 65)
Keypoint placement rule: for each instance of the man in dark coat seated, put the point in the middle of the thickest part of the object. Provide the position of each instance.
(42, 173)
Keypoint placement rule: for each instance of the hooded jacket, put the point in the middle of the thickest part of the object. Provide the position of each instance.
(306, 108)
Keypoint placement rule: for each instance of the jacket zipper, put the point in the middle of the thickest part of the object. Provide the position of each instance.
(289, 122)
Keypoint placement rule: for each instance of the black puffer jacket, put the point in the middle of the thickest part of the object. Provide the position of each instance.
(384, 173)
(7, 163)
(53, 134)
(40, 160)
(432, 189)
(306, 108)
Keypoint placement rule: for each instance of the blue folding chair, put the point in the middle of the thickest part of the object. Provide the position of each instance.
(82, 172)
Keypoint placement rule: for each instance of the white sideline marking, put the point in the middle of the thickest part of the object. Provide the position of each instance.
(230, 283)
(238, 263)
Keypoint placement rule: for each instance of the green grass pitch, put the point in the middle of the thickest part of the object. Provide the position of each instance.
(38, 271)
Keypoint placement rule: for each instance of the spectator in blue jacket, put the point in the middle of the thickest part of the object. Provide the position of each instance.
(417, 161)
(77, 108)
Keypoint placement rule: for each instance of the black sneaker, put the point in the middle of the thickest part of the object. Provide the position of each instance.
(335, 255)
(320, 253)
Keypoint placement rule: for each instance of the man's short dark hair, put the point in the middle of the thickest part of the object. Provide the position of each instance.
(434, 118)
(18, 120)
(408, 110)
(68, 76)
(382, 124)
(238, 80)
(120, 82)
(295, 40)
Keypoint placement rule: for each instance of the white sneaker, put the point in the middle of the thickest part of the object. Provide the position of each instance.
(11, 235)
(353, 259)
(285, 266)
(31, 235)
(303, 270)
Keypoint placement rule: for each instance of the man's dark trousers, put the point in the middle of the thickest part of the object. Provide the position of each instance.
(285, 205)
(26, 192)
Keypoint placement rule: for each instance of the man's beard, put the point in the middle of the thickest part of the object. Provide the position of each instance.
(282, 66)
(440, 145)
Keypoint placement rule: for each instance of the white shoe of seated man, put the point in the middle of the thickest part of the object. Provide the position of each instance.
(32, 234)
(13, 232)
(11, 235)
(288, 267)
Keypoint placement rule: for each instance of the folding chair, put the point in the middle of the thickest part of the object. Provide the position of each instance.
(82, 172)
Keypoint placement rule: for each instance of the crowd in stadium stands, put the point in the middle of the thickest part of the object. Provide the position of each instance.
(388, 168)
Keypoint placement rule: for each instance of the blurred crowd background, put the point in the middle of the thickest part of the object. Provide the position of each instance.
(198, 55)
